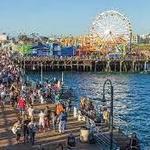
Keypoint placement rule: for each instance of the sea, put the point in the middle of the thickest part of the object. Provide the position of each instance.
(131, 97)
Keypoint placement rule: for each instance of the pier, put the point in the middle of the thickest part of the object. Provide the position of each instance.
(68, 83)
(50, 139)
(84, 64)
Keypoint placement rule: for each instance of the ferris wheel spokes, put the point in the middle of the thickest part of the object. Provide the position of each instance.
(112, 29)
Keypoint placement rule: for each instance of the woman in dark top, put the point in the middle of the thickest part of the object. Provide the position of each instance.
(47, 113)
(26, 130)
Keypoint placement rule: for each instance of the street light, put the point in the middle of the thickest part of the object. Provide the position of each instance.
(24, 66)
(41, 72)
(111, 110)
(130, 42)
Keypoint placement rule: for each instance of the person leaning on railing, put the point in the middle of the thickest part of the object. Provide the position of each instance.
(82, 103)
(134, 143)
(106, 115)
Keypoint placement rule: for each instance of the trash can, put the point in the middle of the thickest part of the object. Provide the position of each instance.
(84, 134)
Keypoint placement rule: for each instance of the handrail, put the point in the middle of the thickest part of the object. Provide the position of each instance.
(102, 138)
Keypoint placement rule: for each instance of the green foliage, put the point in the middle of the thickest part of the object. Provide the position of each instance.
(24, 48)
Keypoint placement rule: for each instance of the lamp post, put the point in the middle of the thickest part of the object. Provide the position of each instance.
(130, 42)
(62, 77)
(41, 72)
(24, 66)
(111, 110)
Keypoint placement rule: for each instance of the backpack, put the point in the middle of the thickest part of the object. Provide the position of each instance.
(71, 141)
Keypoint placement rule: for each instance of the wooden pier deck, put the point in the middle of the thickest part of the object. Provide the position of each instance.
(95, 65)
(49, 139)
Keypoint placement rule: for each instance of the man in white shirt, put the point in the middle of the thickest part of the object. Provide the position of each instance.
(30, 112)
(41, 120)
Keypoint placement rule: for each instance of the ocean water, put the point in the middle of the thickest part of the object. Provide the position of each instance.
(131, 97)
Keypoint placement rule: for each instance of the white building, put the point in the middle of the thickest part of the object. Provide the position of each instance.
(3, 37)
(135, 39)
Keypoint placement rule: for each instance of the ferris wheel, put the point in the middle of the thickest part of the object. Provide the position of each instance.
(112, 28)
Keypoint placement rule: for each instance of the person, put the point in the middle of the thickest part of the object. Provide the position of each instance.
(106, 116)
(13, 87)
(30, 112)
(82, 103)
(41, 120)
(62, 121)
(134, 143)
(32, 131)
(16, 129)
(47, 113)
(41, 99)
(54, 120)
(2, 103)
(26, 130)
(101, 115)
(68, 105)
(58, 86)
(21, 105)
(32, 97)
(57, 97)
(59, 108)
(71, 141)
(13, 99)
(65, 119)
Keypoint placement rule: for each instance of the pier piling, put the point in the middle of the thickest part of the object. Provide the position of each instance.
(105, 65)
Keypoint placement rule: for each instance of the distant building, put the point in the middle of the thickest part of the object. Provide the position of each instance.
(3, 37)
(145, 39)
(135, 39)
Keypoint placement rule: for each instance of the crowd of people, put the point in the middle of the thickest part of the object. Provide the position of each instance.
(32, 121)
(87, 108)
(23, 97)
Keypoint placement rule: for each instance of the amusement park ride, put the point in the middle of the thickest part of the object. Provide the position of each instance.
(113, 31)
(110, 32)
(107, 47)
(110, 36)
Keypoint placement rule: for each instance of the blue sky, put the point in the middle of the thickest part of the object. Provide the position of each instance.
(67, 16)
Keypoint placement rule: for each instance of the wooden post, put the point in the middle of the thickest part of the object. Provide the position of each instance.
(115, 66)
(84, 67)
(120, 66)
(133, 66)
(91, 67)
(52, 65)
(95, 66)
(125, 65)
(77, 65)
(71, 64)
(108, 69)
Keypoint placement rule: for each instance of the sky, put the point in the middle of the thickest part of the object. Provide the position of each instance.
(68, 16)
